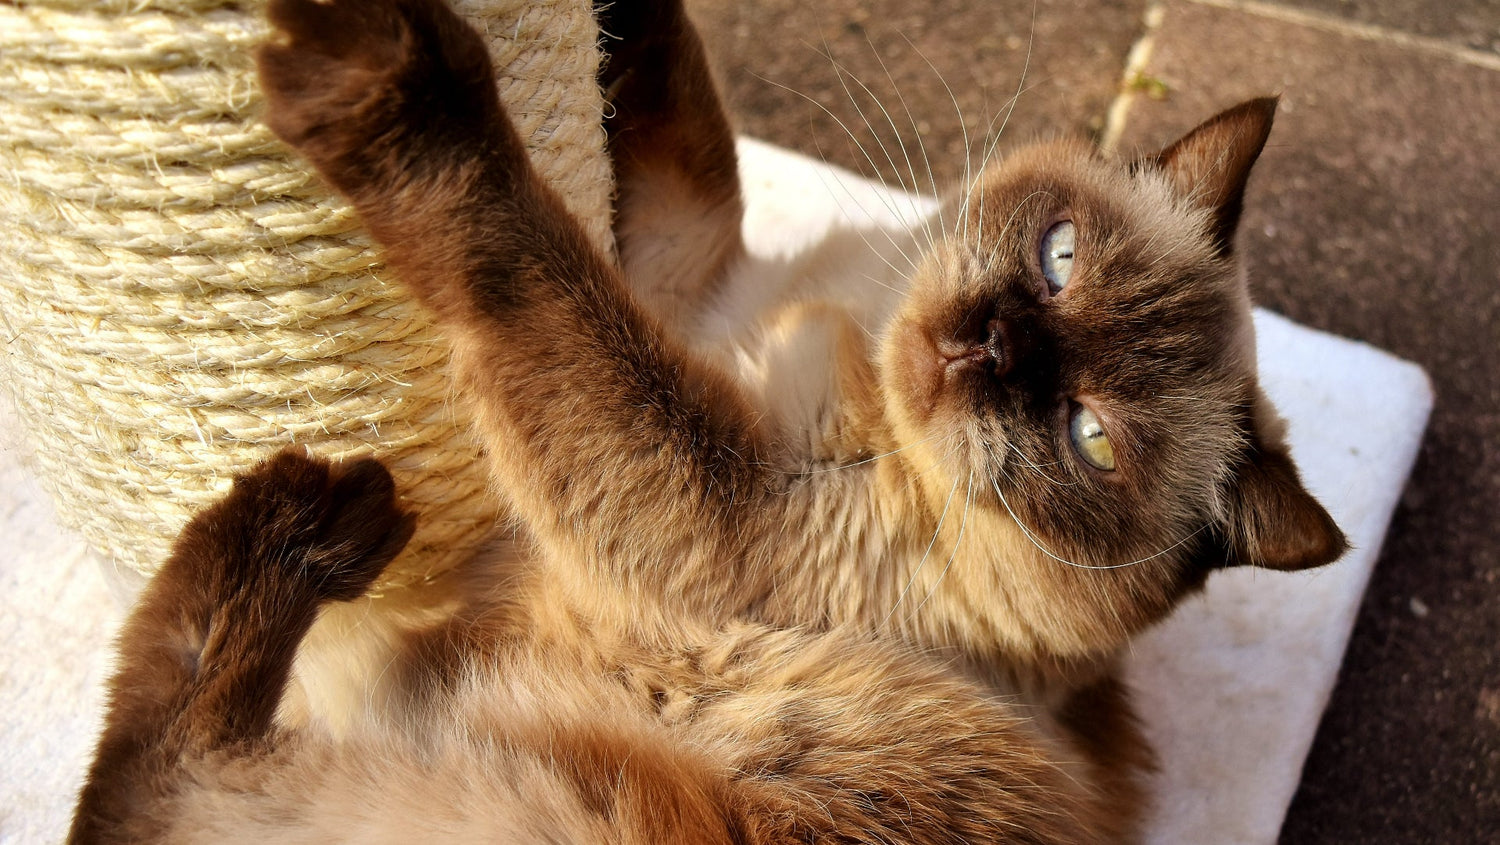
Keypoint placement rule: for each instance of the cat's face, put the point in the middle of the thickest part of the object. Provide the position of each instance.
(1081, 352)
(1077, 366)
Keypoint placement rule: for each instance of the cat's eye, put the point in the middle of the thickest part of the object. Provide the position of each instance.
(1090, 440)
(1057, 255)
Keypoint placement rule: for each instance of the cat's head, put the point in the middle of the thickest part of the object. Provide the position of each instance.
(1076, 367)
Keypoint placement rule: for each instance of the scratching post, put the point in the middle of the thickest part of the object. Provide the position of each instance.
(180, 297)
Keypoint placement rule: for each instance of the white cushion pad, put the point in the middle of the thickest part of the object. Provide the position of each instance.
(1231, 687)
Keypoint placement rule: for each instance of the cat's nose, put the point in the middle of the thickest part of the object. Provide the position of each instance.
(1000, 346)
(990, 343)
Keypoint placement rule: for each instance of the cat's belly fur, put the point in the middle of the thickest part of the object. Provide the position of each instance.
(794, 736)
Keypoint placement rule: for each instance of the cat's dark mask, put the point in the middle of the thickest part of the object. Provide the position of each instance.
(1078, 359)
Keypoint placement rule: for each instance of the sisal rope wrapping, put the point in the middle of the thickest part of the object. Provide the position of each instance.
(180, 297)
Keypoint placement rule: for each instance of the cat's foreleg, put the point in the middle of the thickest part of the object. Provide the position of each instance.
(589, 411)
(678, 209)
(204, 657)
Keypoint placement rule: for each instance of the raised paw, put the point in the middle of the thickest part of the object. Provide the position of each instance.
(366, 89)
(297, 528)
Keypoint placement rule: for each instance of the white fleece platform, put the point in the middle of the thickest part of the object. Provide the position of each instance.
(1231, 687)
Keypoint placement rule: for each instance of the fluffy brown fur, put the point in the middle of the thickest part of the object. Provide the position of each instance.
(799, 559)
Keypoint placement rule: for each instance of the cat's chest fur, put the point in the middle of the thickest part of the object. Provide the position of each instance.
(799, 332)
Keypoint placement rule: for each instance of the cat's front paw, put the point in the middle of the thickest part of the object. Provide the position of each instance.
(298, 528)
(366, 89)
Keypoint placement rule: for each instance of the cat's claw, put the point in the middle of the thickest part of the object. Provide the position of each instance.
(324, 531)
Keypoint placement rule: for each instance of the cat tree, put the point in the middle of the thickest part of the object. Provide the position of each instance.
(179, 297)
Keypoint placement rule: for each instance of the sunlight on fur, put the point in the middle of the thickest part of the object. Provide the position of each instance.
(805, 549)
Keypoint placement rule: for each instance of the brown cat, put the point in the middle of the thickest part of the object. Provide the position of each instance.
(803, 559)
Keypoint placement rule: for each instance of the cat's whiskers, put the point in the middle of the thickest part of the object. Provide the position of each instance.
(887, 286)
(871, 459)
(963, 131)
(957, 544)
(860, 230)
(994, 142)
(1044, 550)
(989, 264)
(873, 338)
(921, 146)
(936, 532)
(912, 190)
(1036, 467)
(885, 198)
(990, 147)
(841, 72)
(1205, 400)
(993, 136)
(957, 110)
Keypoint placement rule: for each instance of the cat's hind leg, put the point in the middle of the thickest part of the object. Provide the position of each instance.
(204, 657)
(678, 212)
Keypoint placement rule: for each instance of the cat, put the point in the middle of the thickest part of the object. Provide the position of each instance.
(838, 549)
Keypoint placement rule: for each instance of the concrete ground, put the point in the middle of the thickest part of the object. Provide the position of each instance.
(1374, 214)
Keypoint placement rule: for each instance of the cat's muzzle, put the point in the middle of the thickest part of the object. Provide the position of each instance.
(987, 342)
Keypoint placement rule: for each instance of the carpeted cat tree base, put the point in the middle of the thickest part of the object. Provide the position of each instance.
(1231, 687)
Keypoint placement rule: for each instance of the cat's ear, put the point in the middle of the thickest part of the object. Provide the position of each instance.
(1210, 165)
(1271, 520)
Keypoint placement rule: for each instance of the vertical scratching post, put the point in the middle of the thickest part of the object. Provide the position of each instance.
(180, 297)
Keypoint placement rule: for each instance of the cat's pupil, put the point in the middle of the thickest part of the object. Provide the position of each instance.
(1090, 440)
(1057, 255)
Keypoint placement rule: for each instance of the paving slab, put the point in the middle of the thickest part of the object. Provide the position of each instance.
(1471, 23)
(775, 58)
(1374, 215)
